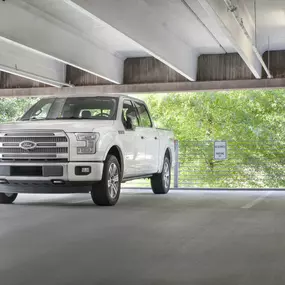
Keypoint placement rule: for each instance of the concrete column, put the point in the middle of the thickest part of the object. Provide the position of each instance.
(176, 164)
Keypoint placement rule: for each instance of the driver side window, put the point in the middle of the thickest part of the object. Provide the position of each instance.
(129, 115)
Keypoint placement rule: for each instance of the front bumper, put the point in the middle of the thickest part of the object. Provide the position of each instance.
(52, 177)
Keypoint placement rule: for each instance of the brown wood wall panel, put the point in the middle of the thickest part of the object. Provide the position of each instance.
(79, 77)
(12, 81)
(149, 70)
(229, 66)
(276, 63)
(214, 67)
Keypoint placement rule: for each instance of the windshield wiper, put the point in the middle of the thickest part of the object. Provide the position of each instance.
(73, 118)
(68, 118)
(37, 119)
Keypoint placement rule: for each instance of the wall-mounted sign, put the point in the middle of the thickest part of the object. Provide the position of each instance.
(220, 150)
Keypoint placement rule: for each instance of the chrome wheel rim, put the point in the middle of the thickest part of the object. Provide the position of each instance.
(113, 180)
(166, 175)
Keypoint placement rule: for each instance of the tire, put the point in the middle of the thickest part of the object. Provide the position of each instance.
(160, 183)
(107, 191)
(7, 198)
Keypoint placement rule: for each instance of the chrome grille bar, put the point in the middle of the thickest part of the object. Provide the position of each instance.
(50, 145)
(36, 150)
(32, 138)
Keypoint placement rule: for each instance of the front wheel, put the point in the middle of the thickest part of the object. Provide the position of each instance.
(160, 182)
(107, 191)
(6, 198)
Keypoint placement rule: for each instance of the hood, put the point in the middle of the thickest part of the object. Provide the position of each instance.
(69, 126)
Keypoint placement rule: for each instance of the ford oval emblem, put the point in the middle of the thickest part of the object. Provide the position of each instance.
(28, 145)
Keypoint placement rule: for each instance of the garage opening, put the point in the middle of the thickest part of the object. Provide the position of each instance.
(232, 140)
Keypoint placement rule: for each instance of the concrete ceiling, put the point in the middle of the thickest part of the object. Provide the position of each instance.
(38, 38)
(270, 22)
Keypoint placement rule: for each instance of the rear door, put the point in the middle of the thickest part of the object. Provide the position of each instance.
(150, 137)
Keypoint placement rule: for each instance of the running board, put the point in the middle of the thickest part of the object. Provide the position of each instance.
(126, 179)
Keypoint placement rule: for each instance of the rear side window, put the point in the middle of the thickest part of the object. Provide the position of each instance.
(144, 117)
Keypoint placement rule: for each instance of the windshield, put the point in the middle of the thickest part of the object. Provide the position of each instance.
(85, 108)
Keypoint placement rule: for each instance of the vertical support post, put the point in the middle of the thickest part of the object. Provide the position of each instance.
(176, 164)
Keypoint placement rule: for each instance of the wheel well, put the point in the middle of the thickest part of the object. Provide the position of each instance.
(114, 150)
(168, 155)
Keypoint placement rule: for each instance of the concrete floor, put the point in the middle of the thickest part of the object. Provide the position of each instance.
(186, 237)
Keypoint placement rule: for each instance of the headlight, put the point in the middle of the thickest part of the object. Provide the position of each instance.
(90, 140)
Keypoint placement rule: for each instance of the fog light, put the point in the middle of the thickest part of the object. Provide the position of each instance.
(82, 170)
(3, 181)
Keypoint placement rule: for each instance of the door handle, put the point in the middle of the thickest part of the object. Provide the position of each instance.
(155, 138)
(142, 137)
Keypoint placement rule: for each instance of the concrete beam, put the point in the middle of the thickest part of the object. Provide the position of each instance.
(19, 61)
(147, 88)
(51, 37)
(138, 21)
(233, 31)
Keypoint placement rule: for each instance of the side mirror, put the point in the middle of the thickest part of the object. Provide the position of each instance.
(129, 124)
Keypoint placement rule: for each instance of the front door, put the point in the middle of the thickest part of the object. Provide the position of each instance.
(133, 142)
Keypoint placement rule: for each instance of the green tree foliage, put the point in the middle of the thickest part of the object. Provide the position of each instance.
(13, 108)
(252, 123)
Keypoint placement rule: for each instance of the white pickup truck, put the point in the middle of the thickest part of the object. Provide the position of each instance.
(81, 145)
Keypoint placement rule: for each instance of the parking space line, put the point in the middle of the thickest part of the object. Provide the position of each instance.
(256, 201)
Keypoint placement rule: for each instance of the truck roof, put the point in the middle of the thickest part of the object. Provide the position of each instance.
(95, 95)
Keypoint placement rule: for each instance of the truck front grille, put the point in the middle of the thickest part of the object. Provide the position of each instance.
(10, 139)
(46, 146)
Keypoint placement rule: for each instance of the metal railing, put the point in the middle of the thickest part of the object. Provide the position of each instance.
(247, 164)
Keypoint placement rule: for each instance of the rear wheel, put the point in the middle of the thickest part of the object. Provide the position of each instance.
(107, 191)
(160, 183)
(6, 198)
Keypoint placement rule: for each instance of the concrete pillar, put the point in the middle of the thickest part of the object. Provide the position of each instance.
(229, 66)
